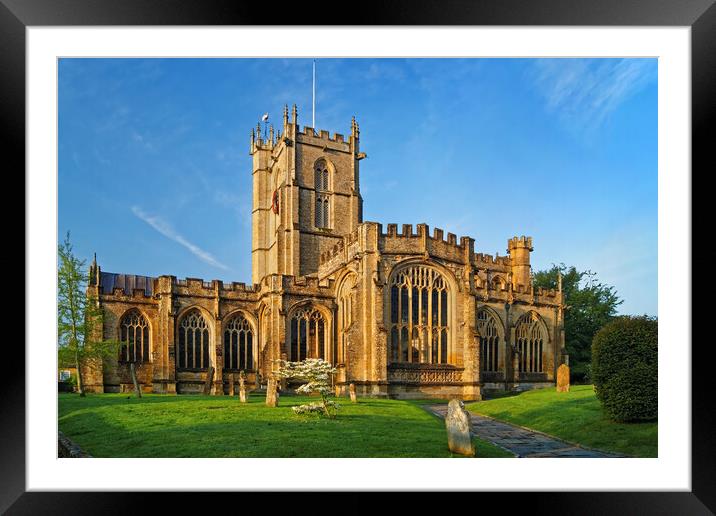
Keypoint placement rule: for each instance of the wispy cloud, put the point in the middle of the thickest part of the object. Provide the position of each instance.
(584, 92)
(168, 231)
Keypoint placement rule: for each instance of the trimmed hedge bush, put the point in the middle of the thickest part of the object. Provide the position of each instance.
(624, 368)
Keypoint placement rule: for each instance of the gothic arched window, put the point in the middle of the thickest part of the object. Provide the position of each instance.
(308, 335)
(487, 327)
(345, 316)
(419, 311)
(238, 344)
(323, 196)
(134, 336)
(193, 342)
(530, 340)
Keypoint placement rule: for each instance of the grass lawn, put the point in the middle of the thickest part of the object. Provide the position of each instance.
(115, 425)
(574, 416)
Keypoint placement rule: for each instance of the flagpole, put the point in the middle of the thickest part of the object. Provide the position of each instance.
(314, 93)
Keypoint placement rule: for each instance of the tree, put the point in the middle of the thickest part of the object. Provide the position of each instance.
(625, 368)
(317, 374)
(590, 305)
(79, 316)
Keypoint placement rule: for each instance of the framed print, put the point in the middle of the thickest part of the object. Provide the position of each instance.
(176, 143)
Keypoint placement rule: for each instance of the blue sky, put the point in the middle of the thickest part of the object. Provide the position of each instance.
(155, 175)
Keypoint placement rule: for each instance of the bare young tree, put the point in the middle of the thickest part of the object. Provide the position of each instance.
(79, 316)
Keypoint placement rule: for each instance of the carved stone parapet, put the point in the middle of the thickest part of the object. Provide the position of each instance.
(419, 374)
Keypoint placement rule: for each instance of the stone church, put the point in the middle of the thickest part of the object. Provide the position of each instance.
(400, 312)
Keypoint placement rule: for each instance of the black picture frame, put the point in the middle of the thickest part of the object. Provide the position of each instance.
(700, 15)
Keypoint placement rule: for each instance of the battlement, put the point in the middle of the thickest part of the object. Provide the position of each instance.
(213, 285)
(320, 134)
(488, 259)
(423, 230)
(522, 242)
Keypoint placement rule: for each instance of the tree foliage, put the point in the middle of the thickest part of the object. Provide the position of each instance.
(590, 305)
(79, 316)
(625, 368)
(316, 374)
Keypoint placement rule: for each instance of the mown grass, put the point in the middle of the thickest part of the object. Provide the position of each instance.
(574, 416)
(118, 425)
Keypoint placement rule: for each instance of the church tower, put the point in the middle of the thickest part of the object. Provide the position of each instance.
(306, 196)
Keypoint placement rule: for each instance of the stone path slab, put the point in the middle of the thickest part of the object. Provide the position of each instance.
(522, 441)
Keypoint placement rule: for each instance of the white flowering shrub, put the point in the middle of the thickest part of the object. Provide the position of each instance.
(316, 374)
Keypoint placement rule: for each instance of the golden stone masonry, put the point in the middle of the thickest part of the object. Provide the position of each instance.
(399, 313)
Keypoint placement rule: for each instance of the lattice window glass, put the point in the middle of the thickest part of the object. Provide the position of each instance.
(419, 311)
(193, 342)
(238, 344)
(487, 326)
(308, 335)
(134, 338)
(530, 339)
(321, 181)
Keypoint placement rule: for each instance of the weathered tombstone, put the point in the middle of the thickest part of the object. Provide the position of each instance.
(271, 392)
(352, 392)
(209, 379)
(232, 389)
(563, 378)
(338, 391)
(242, 387)
(132, 372)
(457, 422)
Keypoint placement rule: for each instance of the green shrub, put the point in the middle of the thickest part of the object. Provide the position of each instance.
(624, 368)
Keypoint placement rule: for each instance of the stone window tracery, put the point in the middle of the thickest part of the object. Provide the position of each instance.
(238, 344)
(308, 335)
(419, 311)
(530, 339)
(489, 341)
(345, 316)
(193, 342)
(134, 338)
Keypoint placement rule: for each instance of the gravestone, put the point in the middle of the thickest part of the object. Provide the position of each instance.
(352, 392)
(209, 379)
(271, 392)
(457, 422)
(242, 387)
(232, 391)
(132, 372)
(563, 378)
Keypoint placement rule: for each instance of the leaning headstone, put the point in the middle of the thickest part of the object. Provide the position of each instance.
(242, 387)
(457, 422)
(352, 392)
(563, 378)
(209, 379)
(232, 390)
(271, 392)
(132, 372)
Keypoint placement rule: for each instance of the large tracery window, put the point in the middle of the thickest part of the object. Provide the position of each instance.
(193, 342)
(238, 344)
(530, 339)
(489, 341)
(134, 336)
(419, 311)
(308, 335)
(323, 197)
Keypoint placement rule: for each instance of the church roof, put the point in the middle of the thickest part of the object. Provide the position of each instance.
(127, 282)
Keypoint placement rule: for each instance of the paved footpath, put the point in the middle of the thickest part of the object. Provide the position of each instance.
(521, 441)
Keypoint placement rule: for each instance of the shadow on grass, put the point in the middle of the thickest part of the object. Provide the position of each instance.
(209, 426)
